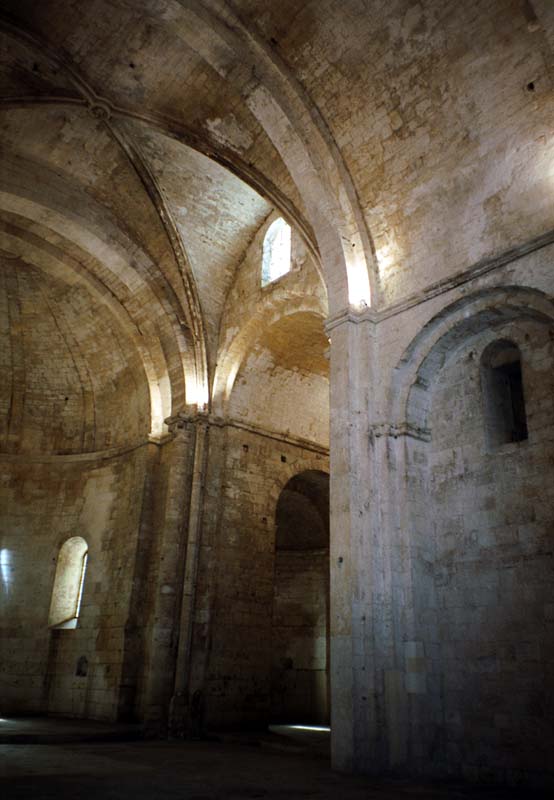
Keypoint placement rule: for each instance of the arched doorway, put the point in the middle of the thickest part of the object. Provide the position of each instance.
(300, 613)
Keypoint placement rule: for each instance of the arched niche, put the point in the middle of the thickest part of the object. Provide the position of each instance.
(283, 359)
(503, 393)
(443, 337)
(300, 617)
(474, 514)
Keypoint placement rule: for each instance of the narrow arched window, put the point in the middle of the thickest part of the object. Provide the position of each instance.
(504, 400)
(69, 583)
(276, 251)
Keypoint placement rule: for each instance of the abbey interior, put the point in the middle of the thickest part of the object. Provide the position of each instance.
(277, 386)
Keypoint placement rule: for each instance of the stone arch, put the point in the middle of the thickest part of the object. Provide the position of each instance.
(444, 334)
(104, 269)
(300, 618)
(101, 108)
(315, 463)
(235, 352)
(313, 485)
(294, 125)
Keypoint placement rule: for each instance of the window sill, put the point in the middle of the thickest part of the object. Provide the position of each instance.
(69, 625)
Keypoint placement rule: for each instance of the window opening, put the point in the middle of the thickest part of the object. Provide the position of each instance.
(505, 415)
(69, 583)
(276, 255)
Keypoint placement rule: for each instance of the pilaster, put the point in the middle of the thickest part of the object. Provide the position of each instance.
(367, 679)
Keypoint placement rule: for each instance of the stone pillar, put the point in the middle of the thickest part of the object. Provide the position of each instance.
(185, 516)
(209, 569)
(182, 706)
(367, 689)
(392, 602)
(172, 490)
(415, 717)
(353, 712)
(134, 634)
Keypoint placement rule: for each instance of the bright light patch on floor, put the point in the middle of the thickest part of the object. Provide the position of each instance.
(322, 728)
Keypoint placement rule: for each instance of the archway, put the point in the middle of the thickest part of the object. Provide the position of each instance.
(300, 614)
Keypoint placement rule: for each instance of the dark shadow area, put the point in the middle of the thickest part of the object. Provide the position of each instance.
(300, 619)
(203, 771)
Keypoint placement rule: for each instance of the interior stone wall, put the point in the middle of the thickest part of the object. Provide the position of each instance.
(43, 504)
(483, 522)
(299, 657)
(67, 369)
(273, 346)
(416, 141)
(236, 576)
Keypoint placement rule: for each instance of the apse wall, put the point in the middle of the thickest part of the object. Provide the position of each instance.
(71, 381)
(44, 503)
(74, 422)
(482, 524)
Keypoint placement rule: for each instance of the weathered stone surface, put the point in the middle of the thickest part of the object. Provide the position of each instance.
(158, 401)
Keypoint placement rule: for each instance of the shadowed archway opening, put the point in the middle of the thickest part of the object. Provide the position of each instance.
(300, 614)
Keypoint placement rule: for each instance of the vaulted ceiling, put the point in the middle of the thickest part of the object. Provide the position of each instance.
(145, 142)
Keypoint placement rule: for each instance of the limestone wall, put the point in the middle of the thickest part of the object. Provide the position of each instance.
(236, 579)
(299, 649)
(492, 523)
(457, 565)
(272, 365)
(43, 504)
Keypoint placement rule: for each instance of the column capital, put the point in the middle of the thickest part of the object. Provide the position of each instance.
(184, 420)
(349, 315)
(395, 430)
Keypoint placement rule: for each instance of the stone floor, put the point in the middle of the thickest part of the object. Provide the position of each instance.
(52, 730)
(273, 767)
